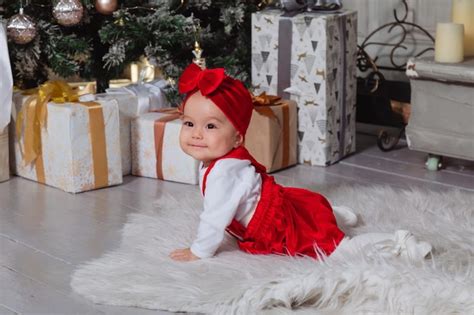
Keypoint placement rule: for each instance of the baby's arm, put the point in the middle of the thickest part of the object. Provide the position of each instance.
(221, 201)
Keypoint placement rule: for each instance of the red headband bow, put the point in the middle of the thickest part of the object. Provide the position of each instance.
(207, 81)
(228, 94)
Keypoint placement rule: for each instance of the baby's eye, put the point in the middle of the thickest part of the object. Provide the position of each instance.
(211, 126)
(188, 124)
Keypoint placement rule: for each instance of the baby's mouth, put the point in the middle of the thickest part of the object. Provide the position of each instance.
(201, 146)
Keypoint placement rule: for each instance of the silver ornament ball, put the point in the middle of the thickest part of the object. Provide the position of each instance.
(21, 28)
(106, 7)
(68, 12)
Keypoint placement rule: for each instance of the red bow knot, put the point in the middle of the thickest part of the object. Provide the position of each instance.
(207, 81)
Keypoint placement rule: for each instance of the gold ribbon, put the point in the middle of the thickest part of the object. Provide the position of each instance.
(159, 131)
(98, 144)
(262, 104)
(36, 117)
(36, 112)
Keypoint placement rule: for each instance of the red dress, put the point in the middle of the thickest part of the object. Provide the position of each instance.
(290, 221)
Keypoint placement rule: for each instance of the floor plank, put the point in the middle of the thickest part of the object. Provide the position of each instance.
(62, 233)
(403, 154)
(35, 264)
(6, 311)
(409, 171)
(28, 296)
(53, 273)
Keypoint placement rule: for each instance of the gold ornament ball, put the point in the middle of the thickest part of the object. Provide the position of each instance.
(106, 6)
(68, 12)
(21, 28)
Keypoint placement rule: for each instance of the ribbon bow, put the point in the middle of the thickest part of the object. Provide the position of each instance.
(314, 5)
(265, 100)
(262, 102)
(36, 107)
(150, 95)
(207, 80)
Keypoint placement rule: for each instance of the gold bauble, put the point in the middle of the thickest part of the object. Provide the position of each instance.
(21, 28)
(68, 12)
(106, 7)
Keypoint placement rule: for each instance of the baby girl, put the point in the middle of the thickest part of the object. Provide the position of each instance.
(240, 198)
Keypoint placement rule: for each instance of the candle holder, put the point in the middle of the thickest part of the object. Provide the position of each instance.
(197, 51)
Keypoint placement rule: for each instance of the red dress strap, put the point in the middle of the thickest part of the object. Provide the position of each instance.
(240, 153)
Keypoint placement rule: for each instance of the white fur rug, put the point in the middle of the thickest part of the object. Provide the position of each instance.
(139, 273)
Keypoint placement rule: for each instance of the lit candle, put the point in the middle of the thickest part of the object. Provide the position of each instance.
(449, 42)
(463, 13)
(134, 72)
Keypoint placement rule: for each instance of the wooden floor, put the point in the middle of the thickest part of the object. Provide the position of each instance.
(45, 233)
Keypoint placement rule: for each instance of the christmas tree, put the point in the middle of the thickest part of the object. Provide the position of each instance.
(98, 39)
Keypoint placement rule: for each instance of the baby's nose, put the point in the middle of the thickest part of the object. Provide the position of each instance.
(197, 134)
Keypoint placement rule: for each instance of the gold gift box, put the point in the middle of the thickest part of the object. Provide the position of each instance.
(272, 134)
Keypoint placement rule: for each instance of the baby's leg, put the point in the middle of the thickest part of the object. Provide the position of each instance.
(399, 244)
(344, 216)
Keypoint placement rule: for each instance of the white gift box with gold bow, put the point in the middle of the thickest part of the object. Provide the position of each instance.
(80, 145)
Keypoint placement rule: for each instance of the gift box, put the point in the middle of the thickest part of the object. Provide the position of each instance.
(310, 58)
(74, 146)
(156, 151)
(134, 100)
(4, 168)
(272, 134)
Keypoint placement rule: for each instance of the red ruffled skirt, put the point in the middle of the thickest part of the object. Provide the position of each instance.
(289, 221)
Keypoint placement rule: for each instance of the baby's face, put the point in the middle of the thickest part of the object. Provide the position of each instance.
(206, 133)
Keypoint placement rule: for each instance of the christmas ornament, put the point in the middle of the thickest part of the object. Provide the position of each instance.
(21, 28)
(68, 12)
(106, 6)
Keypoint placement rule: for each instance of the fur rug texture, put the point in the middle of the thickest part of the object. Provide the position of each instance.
(139, 272)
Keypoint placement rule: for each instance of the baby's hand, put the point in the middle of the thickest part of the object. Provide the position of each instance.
(184, 254)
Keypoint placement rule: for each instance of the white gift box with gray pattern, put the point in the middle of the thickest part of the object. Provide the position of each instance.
(310, 58)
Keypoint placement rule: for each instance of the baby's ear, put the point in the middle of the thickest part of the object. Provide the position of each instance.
(239, 139)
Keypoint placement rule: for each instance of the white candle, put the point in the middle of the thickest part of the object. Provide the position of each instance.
(449, 42)
(463, 13)
(134, 72)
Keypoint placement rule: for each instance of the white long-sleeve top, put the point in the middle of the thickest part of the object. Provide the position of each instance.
(233, 190)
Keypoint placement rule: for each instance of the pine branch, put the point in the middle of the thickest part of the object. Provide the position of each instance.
(64, 54)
